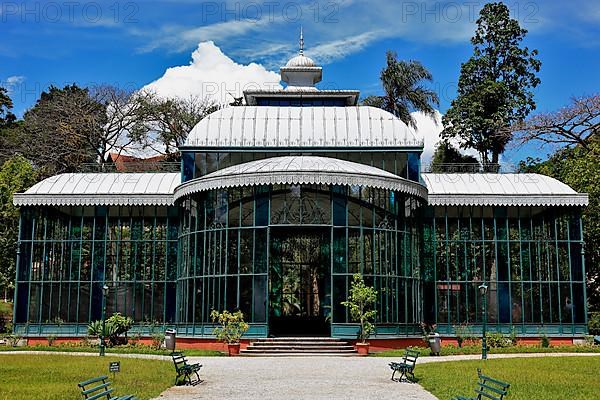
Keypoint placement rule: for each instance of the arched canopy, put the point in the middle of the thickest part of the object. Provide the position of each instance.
(301, 127)
(301, 170)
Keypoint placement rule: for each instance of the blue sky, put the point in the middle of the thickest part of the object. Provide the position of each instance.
(133, 43)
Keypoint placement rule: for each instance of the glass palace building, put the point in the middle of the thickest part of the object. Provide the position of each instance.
(278, 203)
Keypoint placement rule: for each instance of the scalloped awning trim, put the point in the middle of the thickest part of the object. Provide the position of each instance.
(299, 178)
(23, 199)
(548, 200)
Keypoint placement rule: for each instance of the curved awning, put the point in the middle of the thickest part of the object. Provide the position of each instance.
(101, 189)
(296, 170)
(300, 127)
(477, 189)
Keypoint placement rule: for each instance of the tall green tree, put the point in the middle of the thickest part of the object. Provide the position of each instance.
(495, 87)
(8, 127)
(16, 175)
(6, 105)
(405, 91)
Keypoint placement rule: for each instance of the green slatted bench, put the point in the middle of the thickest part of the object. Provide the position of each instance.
(487, 388)
(406, 366)
(184, 369)
(97, 388)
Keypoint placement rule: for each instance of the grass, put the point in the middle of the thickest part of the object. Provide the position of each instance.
(546, 378)
(476, 349)
(56, 376)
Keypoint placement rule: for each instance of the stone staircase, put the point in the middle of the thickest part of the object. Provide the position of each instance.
(299, 346)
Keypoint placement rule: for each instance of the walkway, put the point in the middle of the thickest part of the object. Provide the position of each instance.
(295, 378)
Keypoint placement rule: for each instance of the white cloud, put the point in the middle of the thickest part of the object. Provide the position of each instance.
(212, 74)
(11, 83)
(430, 130)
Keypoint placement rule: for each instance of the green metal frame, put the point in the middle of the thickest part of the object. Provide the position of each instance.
(71, 252)
(530, 257)
(388, 258)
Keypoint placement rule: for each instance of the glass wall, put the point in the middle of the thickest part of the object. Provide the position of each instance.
(403, 164)
(68, 254)
(530, 258)
(228, 237)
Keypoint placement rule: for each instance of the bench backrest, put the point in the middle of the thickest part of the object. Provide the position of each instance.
(410, 357)
(96, 388)
(179, 360)
(490, 388)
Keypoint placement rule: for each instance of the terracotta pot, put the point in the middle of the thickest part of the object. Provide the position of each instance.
(362, 348)
(233, 349)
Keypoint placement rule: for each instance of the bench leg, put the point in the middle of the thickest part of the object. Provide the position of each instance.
(197, 377)
(393, 373)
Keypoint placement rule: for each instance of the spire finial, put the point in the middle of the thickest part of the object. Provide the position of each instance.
(301, 42)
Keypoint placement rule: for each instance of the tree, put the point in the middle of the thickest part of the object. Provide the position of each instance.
(63, 130)
(6, 105)
(495, 87)
(16, 175)
(163, 124)
(577, 124)
(122, 113)
(404, 90)
(8, 127)
(448, 158)
(361, 301)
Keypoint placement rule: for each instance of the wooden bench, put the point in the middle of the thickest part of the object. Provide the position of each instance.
(487, 388)
(97, 388)
(184, 369)
(406, 366)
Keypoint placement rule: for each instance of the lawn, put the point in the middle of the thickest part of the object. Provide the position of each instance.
(476, 349)
(56, 376)
(547, 378)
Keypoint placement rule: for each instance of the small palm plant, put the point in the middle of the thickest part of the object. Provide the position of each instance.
(360, 302)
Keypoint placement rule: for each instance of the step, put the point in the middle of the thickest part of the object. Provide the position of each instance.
(296, 354)
(299, 339)
(299, 346)
(307, 348)
(298, 351)
(279, 343)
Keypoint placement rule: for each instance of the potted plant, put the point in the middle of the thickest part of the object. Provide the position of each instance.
(360, 303)
(232, 328)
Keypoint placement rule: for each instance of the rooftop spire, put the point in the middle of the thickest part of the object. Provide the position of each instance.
(301, 42)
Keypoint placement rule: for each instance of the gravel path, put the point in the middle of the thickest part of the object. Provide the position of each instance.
(291, 378)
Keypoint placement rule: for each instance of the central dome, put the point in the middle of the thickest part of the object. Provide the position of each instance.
(301, 61)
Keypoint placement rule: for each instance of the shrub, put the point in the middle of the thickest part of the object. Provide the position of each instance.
(232, 326)
(115, 326)
(544, 341)
(463, 333)
(498, 340)
(594, 323)
(157, 339)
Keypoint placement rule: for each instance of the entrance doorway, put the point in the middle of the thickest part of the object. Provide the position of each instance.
(299, 282)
